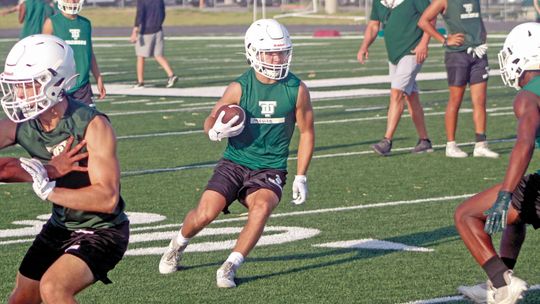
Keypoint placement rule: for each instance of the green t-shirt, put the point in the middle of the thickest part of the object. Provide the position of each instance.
(533, 86)
(44, 145)
(401, 33)
(464, 16)
(270, 121)
(78, 34)
(36, 11)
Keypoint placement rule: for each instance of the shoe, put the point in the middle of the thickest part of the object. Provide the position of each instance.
(172, 80)
(383, 147)
(139, 85)
(508, 294)
(170, 259)
(476, 293)
(423, 146)
(452, 150)
(225, 275)
(481, 150)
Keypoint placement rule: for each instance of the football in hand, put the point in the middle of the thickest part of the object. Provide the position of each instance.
(232, 110)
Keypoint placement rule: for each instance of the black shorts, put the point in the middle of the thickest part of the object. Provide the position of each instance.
(100, 249)
(84, 94)
(462, 68)
(234, 181)
(526, 199)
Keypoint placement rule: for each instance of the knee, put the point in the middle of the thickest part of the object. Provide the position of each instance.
(461, 216)
(17, 297)
(51, 292)
(261, 210)
(204, 218)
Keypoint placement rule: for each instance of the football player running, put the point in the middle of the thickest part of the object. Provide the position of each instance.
(511, 205)
(88, 231)
(76, 31)
(253, 169)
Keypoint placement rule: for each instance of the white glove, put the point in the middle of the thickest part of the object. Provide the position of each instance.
(42, 186)
(223, 130)
(299, 190)
(478, 51)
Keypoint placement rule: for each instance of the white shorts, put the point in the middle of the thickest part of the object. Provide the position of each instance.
(403, 75)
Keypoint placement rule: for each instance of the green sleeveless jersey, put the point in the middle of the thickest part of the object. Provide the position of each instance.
(44, 145)
(78, 34)
(533, 86)
(401, 32)
(463, 16)
(270, 121)
(36, 11)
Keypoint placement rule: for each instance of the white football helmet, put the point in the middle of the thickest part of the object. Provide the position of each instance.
(520, 53)
(39, 68)
(68, 7)
(268, 36)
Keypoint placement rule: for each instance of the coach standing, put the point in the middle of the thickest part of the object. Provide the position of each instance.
(147, 35)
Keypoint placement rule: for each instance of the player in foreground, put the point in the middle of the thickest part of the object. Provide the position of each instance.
(516, 201)
(88, 231)
(254, 165)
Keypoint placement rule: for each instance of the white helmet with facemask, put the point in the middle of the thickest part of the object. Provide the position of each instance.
(520, 53)
(268, 37)
(37, 72)
(72, 8)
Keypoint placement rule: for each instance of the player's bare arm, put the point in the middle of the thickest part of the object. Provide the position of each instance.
(99, 78)
(103, 169)
(526, 109)
(7, 133)
(48, 27)
(22, 12)
(232, 95)
(304, 120)
(370, 34)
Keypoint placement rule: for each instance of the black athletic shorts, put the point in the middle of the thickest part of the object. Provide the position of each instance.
(234, 181)
(526, 199)
(84, 94)
(100, 249)
(463, 68)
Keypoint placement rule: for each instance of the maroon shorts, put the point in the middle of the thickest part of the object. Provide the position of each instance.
(234, 181)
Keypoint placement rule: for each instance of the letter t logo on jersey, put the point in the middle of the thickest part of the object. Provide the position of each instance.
(75, 33)
(267, 107)
(468, 7)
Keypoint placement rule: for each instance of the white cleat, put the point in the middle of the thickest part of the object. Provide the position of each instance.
(171, 257)
(476, 293)
(481, 150)
(225, 275)
(452, 150)
(510, 293)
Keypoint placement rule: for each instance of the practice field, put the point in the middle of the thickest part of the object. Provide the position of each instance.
(374, 229)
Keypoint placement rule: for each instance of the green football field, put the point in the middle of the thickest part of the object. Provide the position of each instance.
(374, 229)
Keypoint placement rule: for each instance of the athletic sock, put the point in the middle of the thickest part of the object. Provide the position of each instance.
(181, 240)
(236, 258)
(495, 268)
(480, 137)
(510, 263)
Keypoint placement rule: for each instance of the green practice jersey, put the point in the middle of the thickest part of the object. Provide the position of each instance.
(463, 16)
(533, 86)
(44, 145)
(270, 122)
(401, 33)
(36, 11)
(78, 34)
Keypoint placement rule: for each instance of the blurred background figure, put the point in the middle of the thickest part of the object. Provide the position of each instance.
(147, 35)
(32, 15)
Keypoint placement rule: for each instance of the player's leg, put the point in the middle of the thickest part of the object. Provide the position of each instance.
(260, 205)
(159, 49)
(26, 291)
(64, 279)
(140, 71)
(478, 88)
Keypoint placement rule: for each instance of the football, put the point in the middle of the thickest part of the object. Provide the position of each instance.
(231, 110)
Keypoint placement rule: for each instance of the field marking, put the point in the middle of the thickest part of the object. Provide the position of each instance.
(318, 156)
(374, 245)
(454, 298)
